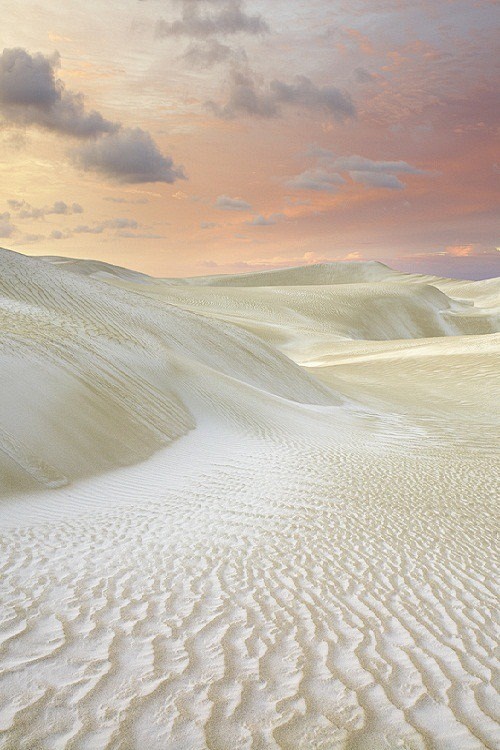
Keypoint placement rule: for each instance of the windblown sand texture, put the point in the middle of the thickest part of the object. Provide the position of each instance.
(247, 512)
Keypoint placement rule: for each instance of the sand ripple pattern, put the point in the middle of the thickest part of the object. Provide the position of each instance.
(245, 616)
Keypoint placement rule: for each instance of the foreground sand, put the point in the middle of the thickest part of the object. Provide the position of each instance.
(298, 550)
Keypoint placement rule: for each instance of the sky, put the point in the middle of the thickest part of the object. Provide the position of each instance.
(190, 137)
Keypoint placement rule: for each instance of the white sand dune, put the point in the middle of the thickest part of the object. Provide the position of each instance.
(250, 511)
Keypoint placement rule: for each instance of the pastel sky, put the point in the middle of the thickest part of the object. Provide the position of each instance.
(186, 137)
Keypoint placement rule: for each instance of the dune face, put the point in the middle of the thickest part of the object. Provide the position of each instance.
(248, 511)
(92, 377)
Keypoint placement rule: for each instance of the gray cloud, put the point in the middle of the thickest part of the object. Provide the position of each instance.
(225, 203)
(86, 229)
(57, 234)
(117, 199)
(317, 179)
(26, 211)
(60, 207)
(119, 223)
(30, 94)
(30, 238)
(264, 221)
(362, 164)
(227, 19)
(212, 52)
(361, 75)
(208, 225)
(130, 155)
(122, 223)
(6, 228)
(304, 93)
(135, 235)
(378, 179)
(247, 96)
(378, 174)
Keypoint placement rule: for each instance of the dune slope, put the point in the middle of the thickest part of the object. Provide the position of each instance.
(305, 555)
(92, 377)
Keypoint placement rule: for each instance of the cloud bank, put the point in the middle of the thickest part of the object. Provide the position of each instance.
(31, 94)
(26, 211)
(247, 96)
(327, 178)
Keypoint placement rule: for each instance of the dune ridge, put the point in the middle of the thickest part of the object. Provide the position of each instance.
(300, 550)
(115, 366)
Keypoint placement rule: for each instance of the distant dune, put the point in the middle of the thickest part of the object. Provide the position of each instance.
(249, 511)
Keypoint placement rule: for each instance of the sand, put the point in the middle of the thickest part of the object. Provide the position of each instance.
(254, 511)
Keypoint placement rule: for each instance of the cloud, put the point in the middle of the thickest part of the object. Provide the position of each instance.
(60, 207)
(227, 19)
(212, 52)
(86, 229)
(262, 221)
(136, 235)
(460, 251)
(224, 203)
(120, 223)
(30, 94)
(130, 155)
(248, 96)
(377, 179)
(57, 234)
(245, 98)
(472, 261)
(377, 174)
(305, 93)
(362, 164)
(317, 179)
(361, 75)
(6, 228)
(31, 238)
(26, 211)
(208, 225)
(208, 264)
(327, 177)
(117, 199)
(264, 264)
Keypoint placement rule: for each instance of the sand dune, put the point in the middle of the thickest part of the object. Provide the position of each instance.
(92, 379)
(249, 511)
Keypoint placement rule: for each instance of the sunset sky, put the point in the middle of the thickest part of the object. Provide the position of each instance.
(187, 137)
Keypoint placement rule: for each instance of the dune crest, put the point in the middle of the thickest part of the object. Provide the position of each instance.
(92, 379)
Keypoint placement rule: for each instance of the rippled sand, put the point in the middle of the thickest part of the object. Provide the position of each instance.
(247, 512)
